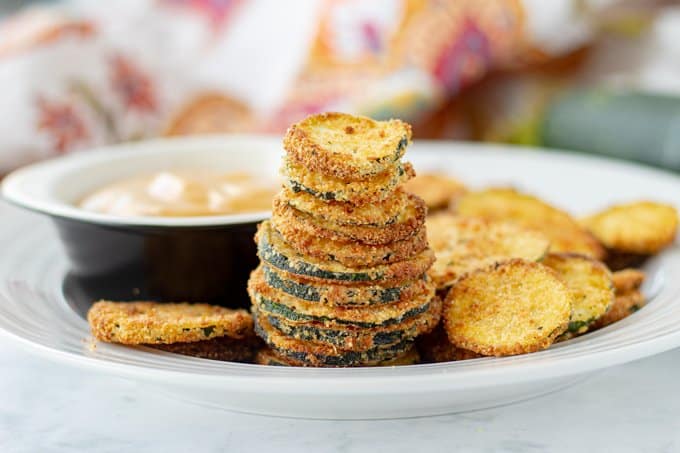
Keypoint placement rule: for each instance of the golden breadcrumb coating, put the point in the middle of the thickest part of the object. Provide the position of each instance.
(225, 349)
(378, 188)
(590, 283)
(406, 224)
(642, 227)
(346, 146)
(627, 280)
(346, 251)
(392, 313)
(275, 251)
(514, 308)
(380, 214)
(466, 244)
(625, 304)
(437, 190)
(565, 234)
(165, 323)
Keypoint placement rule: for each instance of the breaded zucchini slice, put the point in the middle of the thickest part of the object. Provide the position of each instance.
(627, 280)
(642, 227)
(406, 224)
(465, 244)
(345, 146)
(337, 294)
(321, 354)
(165, 323)
(565, 234)
(275, 302)
(276, 253)
(590, 283)
(225, 349)
(410, 357)
(514, 308)
(437, 190)
(267, 356)
(379, 214)
(625, 304)
(435, 347)
(359, 339)
(328, 188)
(346, 251)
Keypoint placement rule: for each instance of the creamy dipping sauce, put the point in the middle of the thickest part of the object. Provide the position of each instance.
(183, 193)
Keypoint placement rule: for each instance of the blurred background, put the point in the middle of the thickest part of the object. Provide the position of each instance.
(598, 76)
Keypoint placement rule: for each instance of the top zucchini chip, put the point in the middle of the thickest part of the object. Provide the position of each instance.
(378, 188)
(565, 234)
(643, 227)
(515, 308)
(164, 323)
(436, 189)
(590, 283)
(345, 146)
(464, 244)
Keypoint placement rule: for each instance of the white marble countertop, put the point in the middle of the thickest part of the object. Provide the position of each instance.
(48, 407)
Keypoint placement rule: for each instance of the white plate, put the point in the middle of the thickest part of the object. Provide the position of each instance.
(34, 311)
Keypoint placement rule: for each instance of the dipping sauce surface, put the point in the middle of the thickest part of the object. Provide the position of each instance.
(183, 193)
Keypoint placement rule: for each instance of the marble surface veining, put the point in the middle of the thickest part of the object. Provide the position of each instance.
(49, 407)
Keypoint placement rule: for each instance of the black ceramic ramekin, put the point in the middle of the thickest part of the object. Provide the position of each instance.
(193, 259)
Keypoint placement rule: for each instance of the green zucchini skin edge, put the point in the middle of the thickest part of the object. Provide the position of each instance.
(334, 336)
(346, 358)
(311, 293)
(269, 254)
(291, 315)
(297, 187)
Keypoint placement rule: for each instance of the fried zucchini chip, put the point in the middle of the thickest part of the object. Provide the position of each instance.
(278, 254)
(465, 244)
(410, 357)
(225, 349)
(346, 146)
(349, 338)
(565, 234)
(379, 214)
(437, 190)
(617, 260)
(320, 354)
(627, 280)
(338, 294)
(267, 356)
(346, 251)
(328, 188)
(624, 305)
(590, 283)
(514, 308)
(272, 301)
(163, 323)
(405, 225)
(642, 227)
(435, 347)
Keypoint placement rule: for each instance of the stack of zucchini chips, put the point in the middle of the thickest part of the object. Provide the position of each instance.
(342, 279)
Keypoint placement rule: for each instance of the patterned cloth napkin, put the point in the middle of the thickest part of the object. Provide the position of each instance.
(81, 73)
